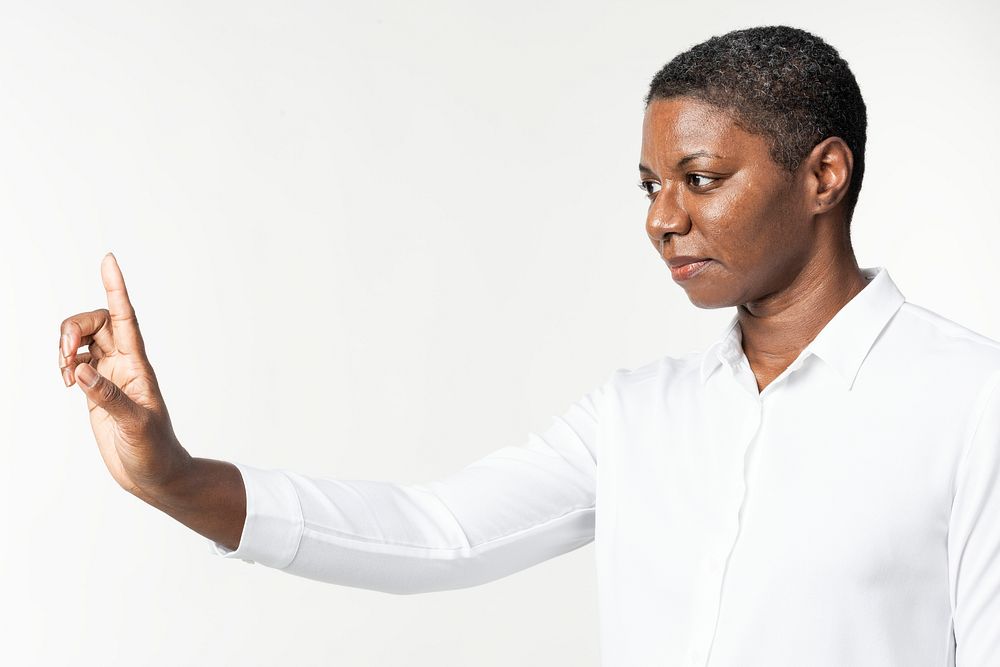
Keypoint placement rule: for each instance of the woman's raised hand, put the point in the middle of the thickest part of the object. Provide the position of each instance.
(127, 412)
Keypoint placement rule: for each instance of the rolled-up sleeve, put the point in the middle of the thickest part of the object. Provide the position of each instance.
(514, 508)
(974, 542)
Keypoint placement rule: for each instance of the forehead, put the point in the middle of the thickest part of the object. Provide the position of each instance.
(684, 125)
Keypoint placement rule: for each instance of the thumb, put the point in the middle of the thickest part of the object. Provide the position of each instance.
(105, 393)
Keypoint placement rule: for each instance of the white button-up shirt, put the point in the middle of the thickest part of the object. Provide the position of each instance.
(847, 515)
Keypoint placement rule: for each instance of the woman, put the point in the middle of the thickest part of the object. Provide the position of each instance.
(820, 486)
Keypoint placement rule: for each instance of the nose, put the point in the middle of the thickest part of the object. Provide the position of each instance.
(666, 216)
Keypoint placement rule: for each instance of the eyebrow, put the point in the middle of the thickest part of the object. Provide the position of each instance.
(683, 161)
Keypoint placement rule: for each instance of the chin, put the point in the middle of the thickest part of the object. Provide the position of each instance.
(713, 287)
(709, 298)
(707, 305)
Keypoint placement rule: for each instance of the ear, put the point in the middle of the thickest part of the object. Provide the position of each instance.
(829, 168)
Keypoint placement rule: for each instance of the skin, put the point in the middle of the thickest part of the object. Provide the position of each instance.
(131, 425)
(778, 242)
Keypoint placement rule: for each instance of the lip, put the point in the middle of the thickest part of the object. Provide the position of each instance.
(682, 268)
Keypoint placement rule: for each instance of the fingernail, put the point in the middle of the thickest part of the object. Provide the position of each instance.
(66, 349)
(88, 375)
(66, 376)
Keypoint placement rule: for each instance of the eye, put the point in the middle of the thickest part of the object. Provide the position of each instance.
(693, 180)
(649, 187)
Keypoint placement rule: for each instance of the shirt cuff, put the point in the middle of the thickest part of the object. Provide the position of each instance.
(273, 527)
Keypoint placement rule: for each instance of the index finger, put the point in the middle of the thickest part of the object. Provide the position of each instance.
(124, 326)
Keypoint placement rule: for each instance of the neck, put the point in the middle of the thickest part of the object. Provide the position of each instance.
(777, 327)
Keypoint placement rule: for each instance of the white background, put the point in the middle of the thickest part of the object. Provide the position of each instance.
(379, 240)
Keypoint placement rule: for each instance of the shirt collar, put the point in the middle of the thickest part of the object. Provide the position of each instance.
(844, 341)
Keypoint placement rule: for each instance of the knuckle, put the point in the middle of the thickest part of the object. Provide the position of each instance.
(125, 314)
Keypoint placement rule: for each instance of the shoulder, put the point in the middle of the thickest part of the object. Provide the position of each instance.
(935, 347)
(933, 332)
(657, 373)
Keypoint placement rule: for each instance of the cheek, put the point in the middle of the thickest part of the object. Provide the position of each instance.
(749, 222)
(735, 225)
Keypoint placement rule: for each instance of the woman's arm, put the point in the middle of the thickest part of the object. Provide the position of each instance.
(974, 539)
(516, 507)
(209, 498)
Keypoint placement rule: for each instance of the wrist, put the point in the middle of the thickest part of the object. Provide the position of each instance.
(170, 489)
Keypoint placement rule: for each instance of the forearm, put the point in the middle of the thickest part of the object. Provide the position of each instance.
(209, 498)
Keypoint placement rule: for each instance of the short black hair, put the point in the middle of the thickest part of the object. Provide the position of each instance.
(782, 83)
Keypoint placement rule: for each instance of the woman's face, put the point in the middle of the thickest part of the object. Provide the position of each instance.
(715, 193)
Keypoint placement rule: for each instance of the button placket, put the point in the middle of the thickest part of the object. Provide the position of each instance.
(716, 565)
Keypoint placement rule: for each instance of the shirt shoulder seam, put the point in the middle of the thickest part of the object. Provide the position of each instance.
(957, 330)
